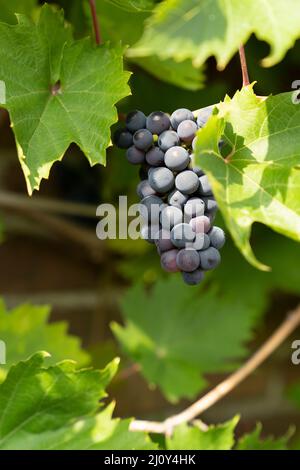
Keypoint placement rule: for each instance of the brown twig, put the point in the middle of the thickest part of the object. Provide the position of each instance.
(212, 397)
(128, 372)
(95, 22)
(60, 227)
(244, 67)
(41, 203)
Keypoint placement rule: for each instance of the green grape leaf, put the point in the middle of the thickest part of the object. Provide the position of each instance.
(120, 25)
(175, 334)
(57, 408)
(66, 94)
(253, 441)
(259, 180)
(282, 254)
(220, 437)
(25, 330)
(193, 29)
(133, 5)
(181, 74)
(9, 9)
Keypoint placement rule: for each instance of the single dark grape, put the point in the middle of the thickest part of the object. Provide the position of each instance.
(204, 114)
(210, 258)
(168, 261)
(177, 158)
(135, 156)
(163, 241)
(187, 182)
(150, 208)
(161, 179)
(158, 122)
(122, 138)
(194, 208)
(170, 216)
(193, 278)
(206, 242)
(182, 234)
(135, 120)
(200, 224)
(144, 189)
(155, 156)
(143, 139)
(176, 198)
(179, 116)
(204, 186)
(217, 237)
(199, 243)
(188, 260)
(168, 139)
(187, 130)
(210, 204)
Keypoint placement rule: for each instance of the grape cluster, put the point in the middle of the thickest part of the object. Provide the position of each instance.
(177, 203)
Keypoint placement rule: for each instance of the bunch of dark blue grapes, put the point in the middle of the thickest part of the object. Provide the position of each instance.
(177, 203)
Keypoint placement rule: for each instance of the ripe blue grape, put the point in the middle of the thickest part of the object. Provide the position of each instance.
(177, 158)
(150, 207)
(168, 261)
(200, 224)
(135, 120)
(210, 204)
(180, 115)
(163, 241)
(193, 278)
(176, 198)
(161, 179)
(143, 139)
(122, 138)
(135, 156)
(144, 189)
(204, 114)
(188, 260)
(182, 234)
(194, 207)
(155, 156)
(187, 130)
(158, 122)
(217, 237)
(204, 186)
(209, 259)
(170, 216)
(168, 139)
(199, 243)
(206, 242)
(187, 182)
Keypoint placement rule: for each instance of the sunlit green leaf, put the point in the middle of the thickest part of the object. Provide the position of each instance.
(258, 181)
(198, 29)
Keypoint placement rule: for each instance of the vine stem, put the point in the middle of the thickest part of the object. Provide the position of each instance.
(276, 339)
(40, 203)
(244, 67)
(95, 22)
